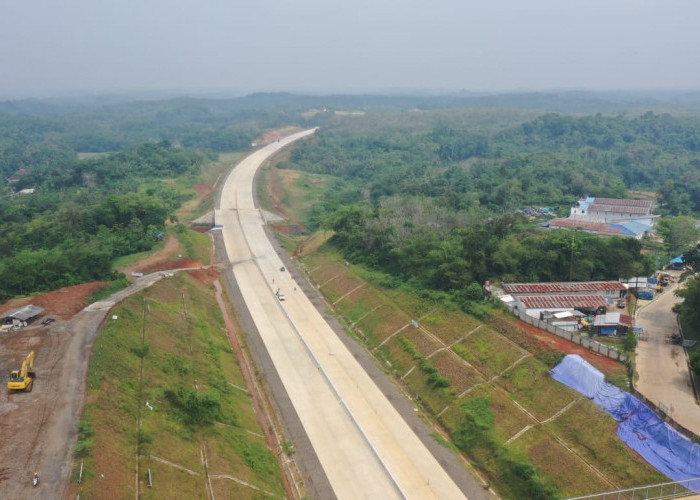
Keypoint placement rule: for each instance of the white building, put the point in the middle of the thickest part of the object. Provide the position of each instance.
(613, 210)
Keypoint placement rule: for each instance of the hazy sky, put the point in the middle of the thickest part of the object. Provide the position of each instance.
(240, 46)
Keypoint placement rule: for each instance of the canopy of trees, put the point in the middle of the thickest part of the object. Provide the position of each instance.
(427, 186)
(449, 255)
(551, 160)
(84, 213)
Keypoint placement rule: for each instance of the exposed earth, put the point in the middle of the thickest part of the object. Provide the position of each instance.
(274, 135)
(38, 426)
(602, 363)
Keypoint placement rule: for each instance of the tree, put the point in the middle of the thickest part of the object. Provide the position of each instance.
(689, 309)
(474, 292)
(680, 233)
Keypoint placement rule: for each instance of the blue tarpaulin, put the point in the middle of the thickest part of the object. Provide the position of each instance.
(658, 443)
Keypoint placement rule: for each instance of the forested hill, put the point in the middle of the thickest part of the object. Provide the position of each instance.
(432, 199)
(416, 176)
(84, 213)
(478, 160)
(282, 102)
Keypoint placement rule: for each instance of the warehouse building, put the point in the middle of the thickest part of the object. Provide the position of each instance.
(538, 305)
(21, 316)
(612, 289)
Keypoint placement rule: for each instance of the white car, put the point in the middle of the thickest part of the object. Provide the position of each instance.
(280, 296)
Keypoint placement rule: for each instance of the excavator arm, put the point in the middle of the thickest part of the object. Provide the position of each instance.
(22, 379)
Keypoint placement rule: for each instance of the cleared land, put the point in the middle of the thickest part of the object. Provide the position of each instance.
(39, 429)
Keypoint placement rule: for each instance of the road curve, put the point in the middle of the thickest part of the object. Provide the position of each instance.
(365, 447)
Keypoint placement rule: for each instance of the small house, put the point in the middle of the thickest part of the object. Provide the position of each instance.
(612, 323)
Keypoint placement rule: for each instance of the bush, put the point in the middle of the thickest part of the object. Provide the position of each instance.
(630, 342)
(521, 477)
(480, 310)
(194, 408)
(517, 476)
(408, 346)
(475, 424)
(143, 439)
(141, 350)
(695, 363)
(474, 292)
(85, 442)
(550, 357)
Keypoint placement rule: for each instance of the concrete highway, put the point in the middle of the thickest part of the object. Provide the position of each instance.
(364, 446)
(663, 367)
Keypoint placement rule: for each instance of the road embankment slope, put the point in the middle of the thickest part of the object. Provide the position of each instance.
(365, 447)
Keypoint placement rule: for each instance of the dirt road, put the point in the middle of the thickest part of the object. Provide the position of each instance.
(663, 367)
(39, 428)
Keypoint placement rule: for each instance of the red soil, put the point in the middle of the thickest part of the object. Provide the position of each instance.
(63, 303)
(172, 264)
(603, 363)
(207, 276)
(202, 190)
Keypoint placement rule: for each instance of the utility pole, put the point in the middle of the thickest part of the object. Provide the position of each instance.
(571, 263)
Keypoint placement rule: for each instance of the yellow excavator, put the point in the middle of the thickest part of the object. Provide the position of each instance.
(22, 379)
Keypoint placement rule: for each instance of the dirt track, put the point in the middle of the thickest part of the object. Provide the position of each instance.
(39, 427)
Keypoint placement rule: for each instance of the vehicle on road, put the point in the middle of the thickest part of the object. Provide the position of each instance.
(280, 296)
(674, 338)
(22, 379)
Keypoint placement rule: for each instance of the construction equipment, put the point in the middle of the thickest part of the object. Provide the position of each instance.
(22, 379)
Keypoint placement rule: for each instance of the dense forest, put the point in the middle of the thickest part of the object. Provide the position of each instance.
(66, 214)
(435, 201)
(428, 189)
(549, 161)
(429, 193)
(84, 213)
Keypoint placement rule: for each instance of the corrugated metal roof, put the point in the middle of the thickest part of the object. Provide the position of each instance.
(598, 227)
(640, 281)
(24, 313)
(562, 301)
(626, 320)
(563, 314)
(630, 209)
(613, 319)
(637, 227)
(626, 231)
(622, 201)
(562, 286)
